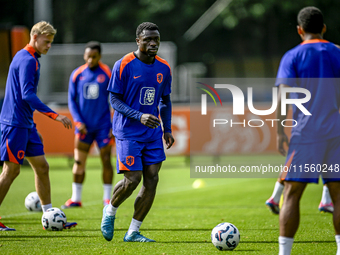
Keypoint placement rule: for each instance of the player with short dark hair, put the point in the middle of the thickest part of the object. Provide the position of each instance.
(146, 26)
(19, 134)
(313, 65)
(94, 45)
(140, 89)
(90, 109)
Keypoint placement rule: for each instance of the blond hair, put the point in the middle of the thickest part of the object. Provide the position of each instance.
(43, 27)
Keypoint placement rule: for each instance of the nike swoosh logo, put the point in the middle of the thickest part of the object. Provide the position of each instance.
(135, 77)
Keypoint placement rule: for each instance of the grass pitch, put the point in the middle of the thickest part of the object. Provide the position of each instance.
(180, 220)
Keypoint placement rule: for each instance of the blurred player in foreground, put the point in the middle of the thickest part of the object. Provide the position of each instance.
(19, 134)
(140, 89)
(313, 65)
(90, 109)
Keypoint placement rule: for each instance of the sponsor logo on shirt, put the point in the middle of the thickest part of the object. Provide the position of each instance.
(91, 91)
(147, 96)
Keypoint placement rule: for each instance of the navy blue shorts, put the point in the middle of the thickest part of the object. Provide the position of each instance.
(16, 143)
(307, 162)
(133, 155)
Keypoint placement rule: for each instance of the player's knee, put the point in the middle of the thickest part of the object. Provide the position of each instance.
(42, 169)
(132, 183)
(11, 173)
(151, 181)
(78, 170)
(107, 166)
(16, 172)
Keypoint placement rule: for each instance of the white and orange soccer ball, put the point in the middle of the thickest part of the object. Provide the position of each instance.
(225, 236)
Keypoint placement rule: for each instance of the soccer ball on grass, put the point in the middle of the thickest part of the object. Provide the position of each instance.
(225, 236)
(32, 202)
(54, 219)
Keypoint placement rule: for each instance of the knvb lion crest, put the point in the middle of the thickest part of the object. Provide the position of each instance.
(130, 160)
(159, 78)
(21, 154)
(101, 78)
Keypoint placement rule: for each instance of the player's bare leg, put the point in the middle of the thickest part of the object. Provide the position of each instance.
(334, 188)
(42, 179)
(10, 171)
(125, 187)
(143, 203)
(121, 192)
(147, 192)
(105, 156)
(80, 155)
(290, 215)
(290, 211)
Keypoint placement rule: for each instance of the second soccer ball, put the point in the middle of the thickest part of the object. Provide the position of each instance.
(32, 202)
(54, 219)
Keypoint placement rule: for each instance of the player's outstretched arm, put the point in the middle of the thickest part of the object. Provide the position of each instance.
(64, 120)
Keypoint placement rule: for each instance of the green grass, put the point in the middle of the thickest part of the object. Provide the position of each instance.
(180, 220)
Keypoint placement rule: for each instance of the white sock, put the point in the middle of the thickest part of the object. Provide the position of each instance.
(77, 189)
(46, 207)
(107, 191)
(326, 197)
(285, 245)
(337, 239)
(111, 210)
(277, 192)
(134, 226)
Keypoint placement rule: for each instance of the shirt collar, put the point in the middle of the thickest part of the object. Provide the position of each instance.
(32, 51)
(315, 41)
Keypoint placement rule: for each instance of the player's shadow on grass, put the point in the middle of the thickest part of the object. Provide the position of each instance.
(40, 237)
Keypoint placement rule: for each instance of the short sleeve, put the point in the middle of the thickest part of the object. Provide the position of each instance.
(116, 80)
(287, 73)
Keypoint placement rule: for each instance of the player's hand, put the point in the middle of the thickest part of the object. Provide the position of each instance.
(169, 140)
(150, 120)
(41, 138)
(64, 120)
(281, 140)
(110, 134)
(82, 129)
